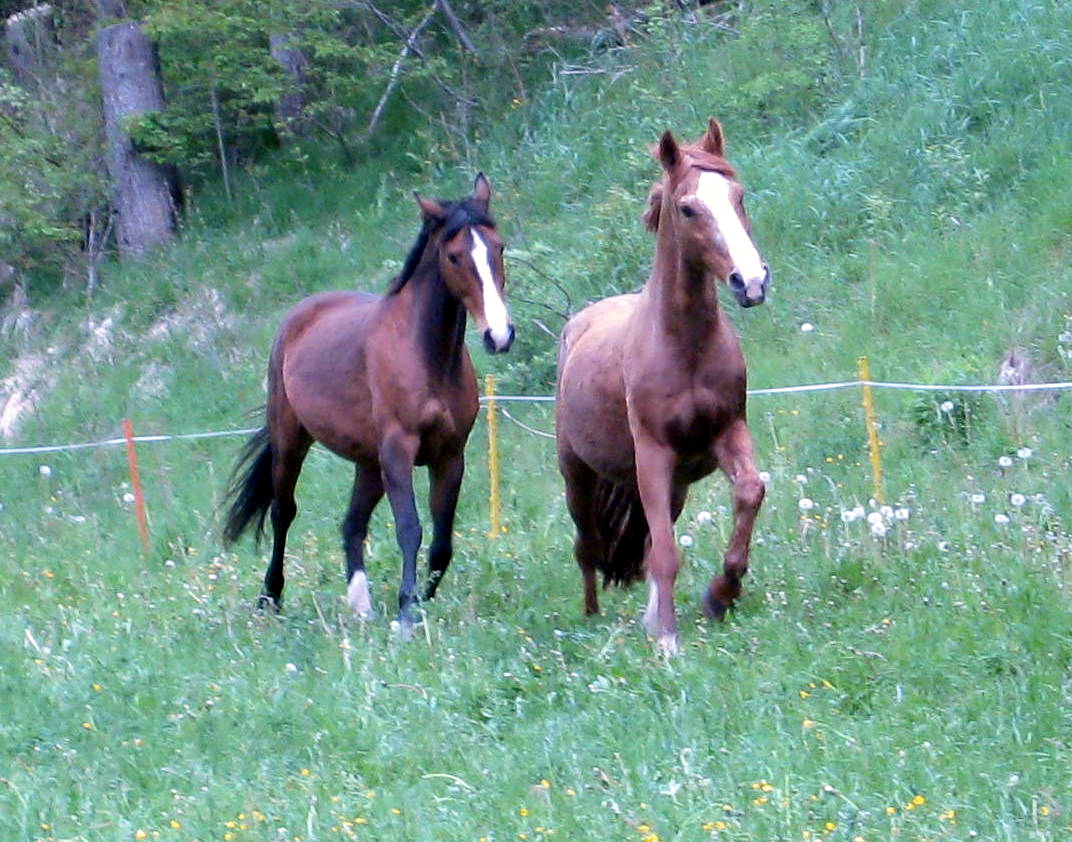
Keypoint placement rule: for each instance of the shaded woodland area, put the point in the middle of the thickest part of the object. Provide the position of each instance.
(112, 111)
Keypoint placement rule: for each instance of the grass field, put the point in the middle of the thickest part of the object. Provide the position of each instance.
(907, 677)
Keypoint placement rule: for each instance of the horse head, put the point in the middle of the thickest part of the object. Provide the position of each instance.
(471, 261)
(706, 211)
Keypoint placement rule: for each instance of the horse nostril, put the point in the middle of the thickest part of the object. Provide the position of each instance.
(736, 281)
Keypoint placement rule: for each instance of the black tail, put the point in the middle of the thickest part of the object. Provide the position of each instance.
(251, 492)
(623, 532)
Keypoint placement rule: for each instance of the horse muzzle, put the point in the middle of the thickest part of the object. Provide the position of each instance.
(498, 344)
(749, 292)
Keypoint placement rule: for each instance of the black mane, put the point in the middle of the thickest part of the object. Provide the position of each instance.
(458, 215)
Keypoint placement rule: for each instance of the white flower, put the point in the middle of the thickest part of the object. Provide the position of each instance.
(978, 498)
(878, 529)
(858, 512)
(1005, 461)
(1001, 518)
(291, 667)
(685, 541)
(874, 518)
(1017, 499)
(848, 515)
(128, 498)
(45, 471)
(1024, 452)
(806, 504)
(887, 512)
(943, 546)
(703, 517)
(946, 406)
(901, 513)
(807, 327)
(764, 477)
(801, 479)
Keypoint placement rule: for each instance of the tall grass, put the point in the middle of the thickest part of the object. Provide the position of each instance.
(905, 678)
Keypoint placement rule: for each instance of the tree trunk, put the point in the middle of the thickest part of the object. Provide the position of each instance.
(290, 108)
(145, 193)
(30, 38)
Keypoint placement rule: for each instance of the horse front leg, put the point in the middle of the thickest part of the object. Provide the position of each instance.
(445, 482)
(736, 457)
(398, 451)
(654, 470)
(368, 490)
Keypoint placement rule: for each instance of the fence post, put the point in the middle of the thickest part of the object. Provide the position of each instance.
(494, 504)
(135, 484)
(873, 442)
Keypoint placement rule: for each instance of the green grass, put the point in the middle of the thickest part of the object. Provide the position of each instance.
(914, 685)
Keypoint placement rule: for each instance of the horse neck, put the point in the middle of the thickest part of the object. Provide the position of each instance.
(683, 297)
(439, 317)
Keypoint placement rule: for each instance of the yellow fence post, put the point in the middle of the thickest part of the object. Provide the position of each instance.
(493, 459)
(873, 442)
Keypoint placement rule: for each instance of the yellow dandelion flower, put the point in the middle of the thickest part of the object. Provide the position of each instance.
(140, 834)
(88, 726)
(890, 811)
(571, 792)
(829, 826)
(1043, 810)
(651, 837)
(808, 723)
(524, 811)
(228, 836)
(546, 784)
(919, 800)
(360, 820)
(396, 811)
(804, 694)
(305, 773)
(231, 824)
(46, 826)
(97, 687)
(759, 802)
(175, 824)
(643, 828)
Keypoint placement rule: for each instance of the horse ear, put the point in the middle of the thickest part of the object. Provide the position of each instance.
(669, 153)
(713, 141)
(430, 208)
(655, 204)
(482, 190)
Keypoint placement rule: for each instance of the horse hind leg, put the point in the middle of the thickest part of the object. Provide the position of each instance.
(444, 487)
(581, 484)
(286, 466)
(367, 492)
(736, 456)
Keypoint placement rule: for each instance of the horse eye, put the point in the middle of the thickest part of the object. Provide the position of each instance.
(688, 211)
(453, 258)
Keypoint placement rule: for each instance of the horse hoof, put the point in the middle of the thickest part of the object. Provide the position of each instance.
(357, 594)
(668, 645)
(403, 630)
(714, 608)
(268, 604)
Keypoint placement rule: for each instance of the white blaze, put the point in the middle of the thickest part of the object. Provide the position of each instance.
(714, 191)
(494, 309)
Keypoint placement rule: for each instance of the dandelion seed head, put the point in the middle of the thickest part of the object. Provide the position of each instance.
(1017, 500)
(292, 668)
(1005, 461)
(807, 327)
(1024, 452)
(901, 513)
(685, 541)
(946, 406)
(806, 504)
(800, 479)
(977, 498)
(1001, 518)
(45, 470)
(703, 517)
(764, 477)
(874, 518)
(878, 529)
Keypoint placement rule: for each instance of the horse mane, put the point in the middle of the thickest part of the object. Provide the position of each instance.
(458, 215)
(693, 155)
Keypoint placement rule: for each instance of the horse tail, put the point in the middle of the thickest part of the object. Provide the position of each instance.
(623, 533)
(251, 491)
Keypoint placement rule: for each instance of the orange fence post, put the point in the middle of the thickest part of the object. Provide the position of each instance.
(135, 484)
(874, 444)
(494, 503)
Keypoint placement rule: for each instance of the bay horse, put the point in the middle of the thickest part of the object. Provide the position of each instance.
(651, 391)
(387, 383)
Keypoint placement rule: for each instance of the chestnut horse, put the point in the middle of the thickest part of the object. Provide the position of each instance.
(651, 392)
(387, 383)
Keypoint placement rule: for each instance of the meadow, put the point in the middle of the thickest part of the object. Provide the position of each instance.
(896, 669)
